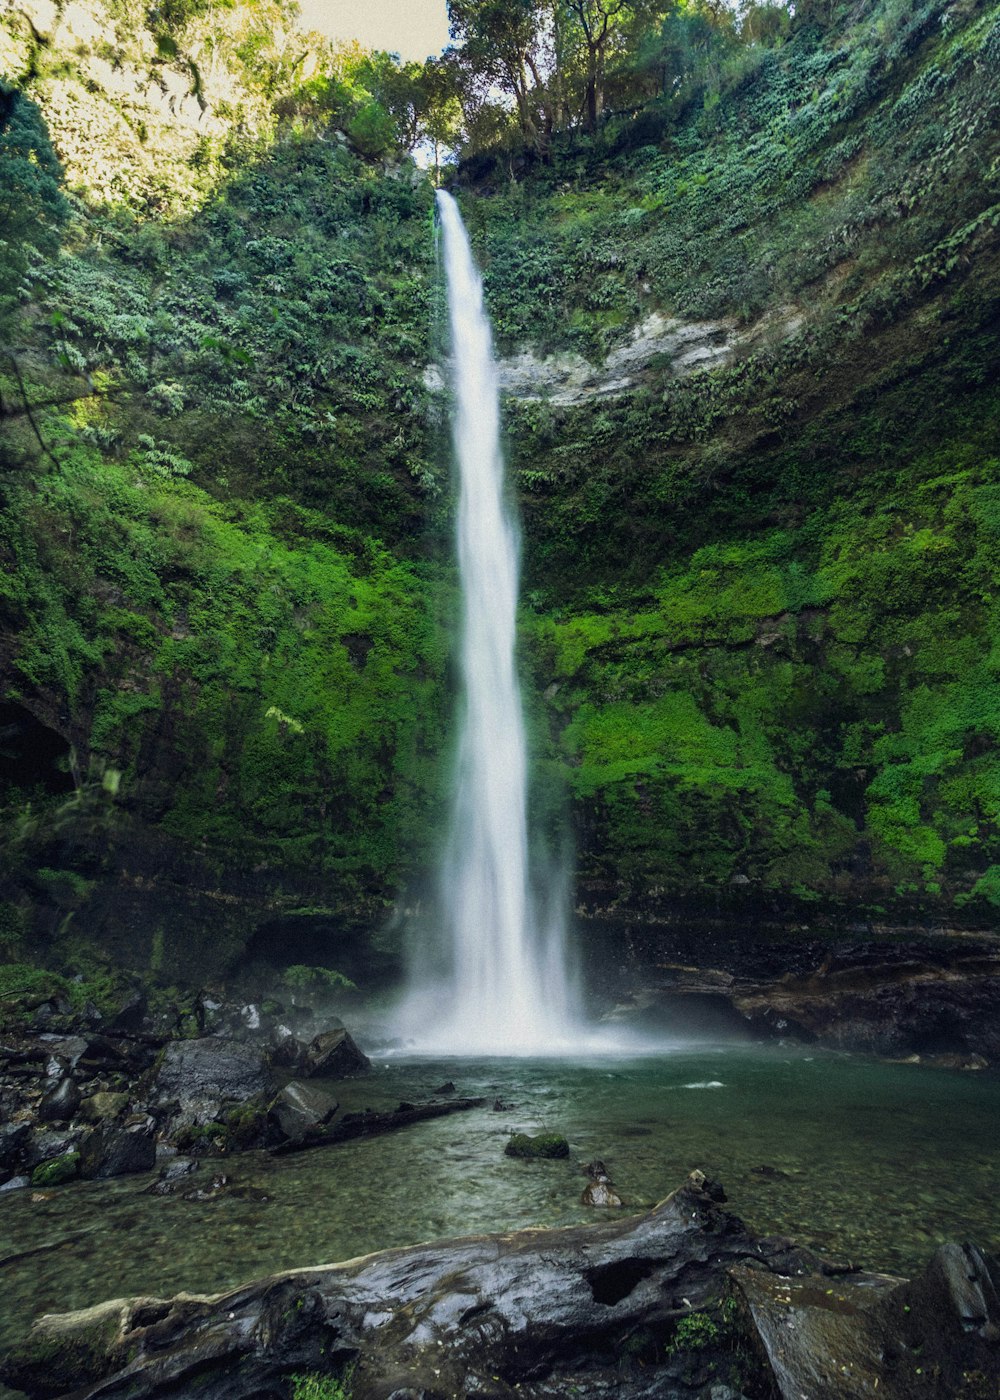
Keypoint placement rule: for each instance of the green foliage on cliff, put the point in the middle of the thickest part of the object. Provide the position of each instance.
(761, 628)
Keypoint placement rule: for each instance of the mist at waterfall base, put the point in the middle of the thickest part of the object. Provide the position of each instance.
(498, 978)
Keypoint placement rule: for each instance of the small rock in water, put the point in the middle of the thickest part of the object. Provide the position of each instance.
(770, 1173)
(544, 1145)
(446, 1088)
(714, 1190)
(221, 1185)
(600, 1189)
(600, 1193)
(500, 1107)
(16, 1183)
(172, 1175)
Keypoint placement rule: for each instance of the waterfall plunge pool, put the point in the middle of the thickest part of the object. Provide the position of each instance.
(865, 1160)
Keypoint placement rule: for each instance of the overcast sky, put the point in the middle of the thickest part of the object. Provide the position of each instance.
(412, 28)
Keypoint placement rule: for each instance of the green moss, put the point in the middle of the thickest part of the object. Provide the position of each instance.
(314, 1386)
(543, 1145)
(696, 1331)
(57, 1171)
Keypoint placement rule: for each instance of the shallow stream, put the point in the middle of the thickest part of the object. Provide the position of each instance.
(869, 1161)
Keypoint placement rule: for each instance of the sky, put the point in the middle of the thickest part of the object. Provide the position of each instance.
(412, 28)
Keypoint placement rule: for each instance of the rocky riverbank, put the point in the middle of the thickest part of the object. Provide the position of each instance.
(683, 1302)
(94, 1096)
(932, 1000)
(86, 1094)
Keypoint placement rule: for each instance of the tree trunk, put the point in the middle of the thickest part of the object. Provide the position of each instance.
(515, 1317)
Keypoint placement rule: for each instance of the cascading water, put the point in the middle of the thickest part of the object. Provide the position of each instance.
(506, 989)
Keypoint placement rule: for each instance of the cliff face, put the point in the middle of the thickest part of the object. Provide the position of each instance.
(761, 530)
(751, 367)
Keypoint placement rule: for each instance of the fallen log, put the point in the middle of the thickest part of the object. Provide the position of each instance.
(679, 1304)
(371, 1124)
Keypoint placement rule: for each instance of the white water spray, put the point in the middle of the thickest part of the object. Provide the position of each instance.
(506, 990)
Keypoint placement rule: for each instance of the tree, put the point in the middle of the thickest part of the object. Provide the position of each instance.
(596, 19)
(441, 115)
(507, 45)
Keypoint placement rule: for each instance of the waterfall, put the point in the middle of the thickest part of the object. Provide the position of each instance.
(505, 988)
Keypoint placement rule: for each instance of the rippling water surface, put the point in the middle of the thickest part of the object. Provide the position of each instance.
(870, 1161)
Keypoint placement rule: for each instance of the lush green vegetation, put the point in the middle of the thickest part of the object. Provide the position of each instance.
(761, 619)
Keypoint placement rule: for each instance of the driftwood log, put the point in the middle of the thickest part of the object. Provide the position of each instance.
(369, 1123)
(682, 1303)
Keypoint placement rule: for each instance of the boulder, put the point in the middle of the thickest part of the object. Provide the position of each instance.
(60, 1104)
(130, 1016)
(211, 1071)
(287, 1051)
(13, 1140)
(64, 1049)
(118, 1151)
(47, 1143)
(299, 1109)
(102, 1106)
(334, 1055)
(544, 1145)
(839, 1338)
(57, 1170)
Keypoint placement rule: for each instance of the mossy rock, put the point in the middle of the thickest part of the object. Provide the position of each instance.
(544, 1145)
(57, 1171)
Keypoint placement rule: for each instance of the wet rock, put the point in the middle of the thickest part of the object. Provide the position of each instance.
(13, 1139)
(948, 1008)
(601, 1194)
(546, 1145)
(288, 1052)
(47, 1143)
(211, 1071)
(173, 1177)
(16, 1183)
(66, 1049)
(300, 1109)
(60, 1104)
(873, 1335)
(222, 1185)
(115, 1055)
(770, 1173)
(179, 1167)
(118, 1151)
(130, 1016)
(102, 1106)
(600, 1189)
(334, 1055)
(57, 1170)
(446, 1088)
